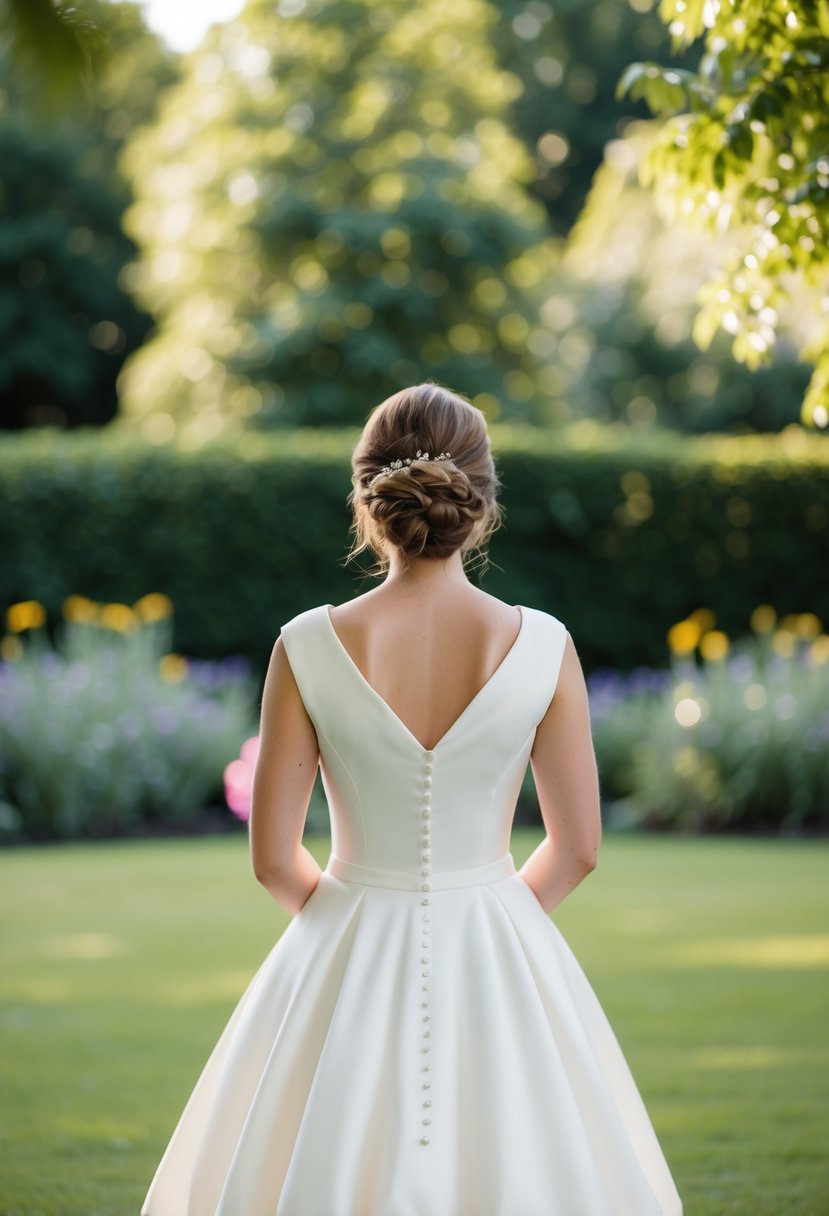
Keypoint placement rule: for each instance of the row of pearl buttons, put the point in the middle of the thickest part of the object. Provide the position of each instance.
(425, 900)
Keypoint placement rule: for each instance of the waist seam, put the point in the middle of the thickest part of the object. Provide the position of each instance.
(403, 880)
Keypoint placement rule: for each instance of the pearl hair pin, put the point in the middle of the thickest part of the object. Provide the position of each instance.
(401, 464)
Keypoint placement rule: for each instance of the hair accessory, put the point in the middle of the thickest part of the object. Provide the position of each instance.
(401, 464)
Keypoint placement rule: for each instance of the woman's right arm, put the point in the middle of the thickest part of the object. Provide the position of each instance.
(567, 781)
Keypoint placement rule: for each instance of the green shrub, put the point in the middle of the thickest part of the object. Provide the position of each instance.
(739, 741)
(617, 534)
(108, 731)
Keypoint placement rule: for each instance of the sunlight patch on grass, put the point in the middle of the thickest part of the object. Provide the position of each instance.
(85, 946)
(644, 920)
(806, 950)
(40, 990)
(740, 1059)
(197, 990)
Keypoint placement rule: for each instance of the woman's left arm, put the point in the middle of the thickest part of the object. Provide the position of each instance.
(283, 779)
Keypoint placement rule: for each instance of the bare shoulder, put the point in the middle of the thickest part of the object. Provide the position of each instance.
(279, 667)
(356, 610)
(571, 687)
(497, 610)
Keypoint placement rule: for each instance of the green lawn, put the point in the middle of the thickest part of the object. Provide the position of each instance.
(120, 964)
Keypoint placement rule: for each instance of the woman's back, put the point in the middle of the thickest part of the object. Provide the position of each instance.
(381, 781)
(427, 652)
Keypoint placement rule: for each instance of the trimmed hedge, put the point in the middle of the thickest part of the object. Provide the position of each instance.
(619, 534)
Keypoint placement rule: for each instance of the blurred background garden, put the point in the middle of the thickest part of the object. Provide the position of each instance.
(605, 223)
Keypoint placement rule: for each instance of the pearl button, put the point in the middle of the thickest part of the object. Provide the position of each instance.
(425, 1121)
(427, 1102)
(426, 885)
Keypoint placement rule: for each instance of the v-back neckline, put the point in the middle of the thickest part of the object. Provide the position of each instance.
(395, 717)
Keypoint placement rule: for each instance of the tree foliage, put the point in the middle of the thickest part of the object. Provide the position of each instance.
(745, 149)
(332, 206)
(66, 319)
(634, 285)
(568, 55)
(55, 50)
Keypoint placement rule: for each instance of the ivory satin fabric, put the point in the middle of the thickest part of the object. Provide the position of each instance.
(420, 1041)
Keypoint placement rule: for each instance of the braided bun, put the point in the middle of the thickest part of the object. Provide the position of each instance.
(425, 507)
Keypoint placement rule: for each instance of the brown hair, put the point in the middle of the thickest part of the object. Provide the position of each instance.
(426, 508)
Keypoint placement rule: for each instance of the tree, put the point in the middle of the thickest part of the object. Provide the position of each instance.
(745, 149)
(568, 55)
(66, 319)
(332, 206)
(632, 286)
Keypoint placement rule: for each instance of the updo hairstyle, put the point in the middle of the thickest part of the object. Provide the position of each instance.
(425, 508)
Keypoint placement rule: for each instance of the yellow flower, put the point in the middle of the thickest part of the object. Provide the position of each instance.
(819, 649)
(683, 636)
(782, 642)
(703, 617)
(173, 667)
(27, 614)
(714, 645)
(79, 608)
(153, 607)
(763, 618)
(806, 625)
(119, 617)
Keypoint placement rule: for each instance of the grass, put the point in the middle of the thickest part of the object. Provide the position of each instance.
(121, 963)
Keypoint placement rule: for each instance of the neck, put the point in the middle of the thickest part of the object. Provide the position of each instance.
(425, 573)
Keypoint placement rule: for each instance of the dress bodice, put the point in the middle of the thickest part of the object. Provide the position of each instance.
(381, 784)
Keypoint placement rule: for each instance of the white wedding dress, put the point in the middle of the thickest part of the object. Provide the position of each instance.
(420, 1041)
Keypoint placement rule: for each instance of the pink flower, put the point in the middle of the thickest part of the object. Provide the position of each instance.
(238, 778)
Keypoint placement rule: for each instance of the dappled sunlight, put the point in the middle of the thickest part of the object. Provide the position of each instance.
(744, 1059)
(778, 951)
(40, 990)
(88, 947)
(201, 989)
(643, 920)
